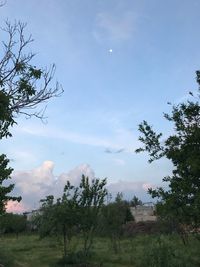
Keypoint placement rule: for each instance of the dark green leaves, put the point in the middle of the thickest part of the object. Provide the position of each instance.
(6, 118)
(75, 212)
(182, 200)
(151, 142)
(5, 173)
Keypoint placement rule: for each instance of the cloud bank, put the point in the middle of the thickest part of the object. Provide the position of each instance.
(35, 184)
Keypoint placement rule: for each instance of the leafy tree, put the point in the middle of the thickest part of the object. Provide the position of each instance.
(60, 217)
(76, 211)
(181, 201)
(5, 173)
(45, 219)
(135, 202)
(92, 197)
(23, 87)
(67, 213)
(13, 223)
(113, 216)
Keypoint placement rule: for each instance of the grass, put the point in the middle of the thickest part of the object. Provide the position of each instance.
(141, 251)
(29, 251)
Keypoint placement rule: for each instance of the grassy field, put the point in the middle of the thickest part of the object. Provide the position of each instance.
(141, 251)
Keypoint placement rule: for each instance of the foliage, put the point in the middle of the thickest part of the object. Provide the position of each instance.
(44, 218)
(113, 217)
(13, 223)
(75, 212)
(22, 85)
(60, 217)
(135, 202)
(182, 200)
(92, 197)
(5, 173)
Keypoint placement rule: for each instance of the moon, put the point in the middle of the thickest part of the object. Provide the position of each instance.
(110, 50)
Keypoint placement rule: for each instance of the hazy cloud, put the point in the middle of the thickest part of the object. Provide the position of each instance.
(120, 140)
(114, 27)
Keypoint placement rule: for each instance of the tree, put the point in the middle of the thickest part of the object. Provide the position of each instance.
(5, 173)
(76, 211)
(23, 87)
(181, 201)
(44, 219)
(92, 198)
(135, 202)
(60, 216)
(67, 213)
(13, 223)
(113, 217)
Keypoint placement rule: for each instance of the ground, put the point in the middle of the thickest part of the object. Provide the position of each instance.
(30, 251)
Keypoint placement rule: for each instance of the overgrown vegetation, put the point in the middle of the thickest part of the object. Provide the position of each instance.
(139, 251)
(76, 212)
(179, 203)
(13, 223)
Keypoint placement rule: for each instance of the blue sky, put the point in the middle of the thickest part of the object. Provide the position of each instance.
(155, 52)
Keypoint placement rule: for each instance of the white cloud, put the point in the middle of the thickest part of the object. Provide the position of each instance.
(35, 184)
(114, 27)
(74, 176)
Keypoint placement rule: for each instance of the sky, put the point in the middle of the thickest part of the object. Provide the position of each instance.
(119, 62)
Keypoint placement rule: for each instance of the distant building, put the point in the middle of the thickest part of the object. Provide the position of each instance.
(144, 212)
